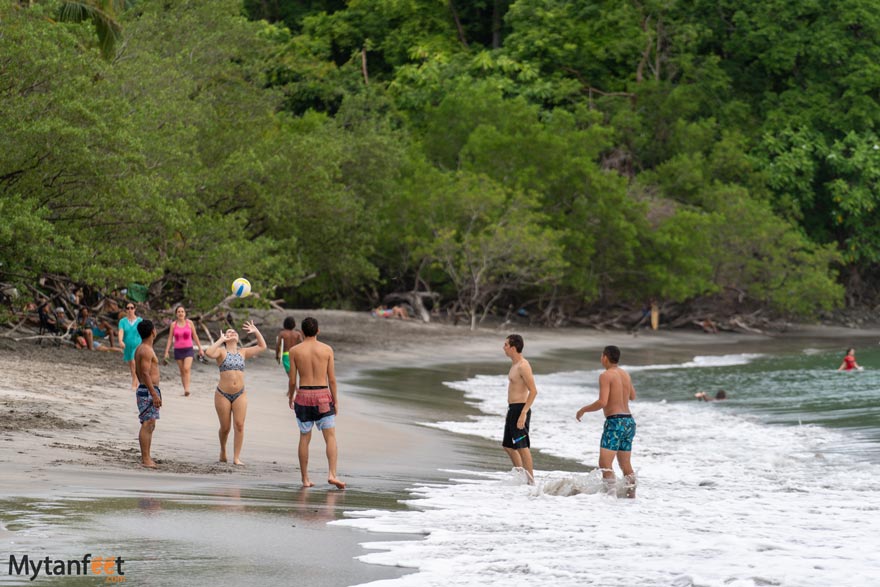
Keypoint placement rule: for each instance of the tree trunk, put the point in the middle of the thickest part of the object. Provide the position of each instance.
(364, 66)
(496, 24)
(458, 26)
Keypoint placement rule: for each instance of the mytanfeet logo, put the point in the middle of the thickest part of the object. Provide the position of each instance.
(108, 568)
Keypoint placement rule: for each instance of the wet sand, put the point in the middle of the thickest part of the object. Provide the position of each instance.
(68, 444)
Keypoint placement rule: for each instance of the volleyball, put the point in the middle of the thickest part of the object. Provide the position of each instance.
(241, 287)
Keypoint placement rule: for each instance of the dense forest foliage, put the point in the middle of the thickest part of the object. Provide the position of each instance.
(556, 155)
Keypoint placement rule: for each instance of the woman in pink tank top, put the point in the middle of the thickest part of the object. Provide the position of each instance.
(182, 333)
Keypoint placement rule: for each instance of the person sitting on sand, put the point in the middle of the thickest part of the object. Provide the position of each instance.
(148, 395)
(703, 396)
(707, 325)
(91, 330)
(48, 323)
(849, 361)
(313, 398)
(288, 338)
(384, 311)
(230, 399)
(61, 321)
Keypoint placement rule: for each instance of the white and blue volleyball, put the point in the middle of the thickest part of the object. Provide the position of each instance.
(241, 287)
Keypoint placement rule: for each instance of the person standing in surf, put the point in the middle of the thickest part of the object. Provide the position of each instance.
(615, 392)
(521, 394)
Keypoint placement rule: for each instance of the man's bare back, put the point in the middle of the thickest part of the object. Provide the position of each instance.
(290, 338)
(620, 390)
(313, 361)
(311, 374)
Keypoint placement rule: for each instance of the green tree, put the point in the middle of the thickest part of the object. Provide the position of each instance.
(489, 242)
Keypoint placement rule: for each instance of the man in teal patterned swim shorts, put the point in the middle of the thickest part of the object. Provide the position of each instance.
(615, 392)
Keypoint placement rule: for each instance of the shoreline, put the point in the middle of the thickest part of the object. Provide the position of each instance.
(60, 441)
(50, 423)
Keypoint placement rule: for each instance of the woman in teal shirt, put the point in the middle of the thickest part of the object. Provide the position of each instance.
(129, 339)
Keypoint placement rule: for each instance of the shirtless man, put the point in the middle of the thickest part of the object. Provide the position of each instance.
(615, 391)
(521, 393)
(149, 398)
(314, 400)
(288, 338)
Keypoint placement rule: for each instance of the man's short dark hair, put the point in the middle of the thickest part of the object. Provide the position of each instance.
(613, 353)
(310, 327)
(289, 323)
(145, 328)
(516, 341)
(721, 394)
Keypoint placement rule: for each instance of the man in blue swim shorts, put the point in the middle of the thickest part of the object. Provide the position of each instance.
(615, 392)
(149, 399)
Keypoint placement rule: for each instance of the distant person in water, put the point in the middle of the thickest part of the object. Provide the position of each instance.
(849, 361)
(521, 394)
(703, 396)
(288, 338)
(615, 392)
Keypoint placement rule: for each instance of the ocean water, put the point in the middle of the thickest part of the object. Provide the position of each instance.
(780, 485)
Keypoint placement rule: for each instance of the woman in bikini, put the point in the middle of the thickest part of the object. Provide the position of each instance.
(182, 334)
(230, 399)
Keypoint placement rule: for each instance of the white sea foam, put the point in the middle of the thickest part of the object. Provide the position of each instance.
(722, 500)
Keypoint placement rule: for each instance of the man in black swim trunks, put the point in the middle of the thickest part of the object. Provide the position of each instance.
(521, 393)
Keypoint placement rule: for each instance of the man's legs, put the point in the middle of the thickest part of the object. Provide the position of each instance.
(623, 459)
(332, 453)
(303, 453)
(145, 438)
(606, 462)
(525, 456)
(515, 457)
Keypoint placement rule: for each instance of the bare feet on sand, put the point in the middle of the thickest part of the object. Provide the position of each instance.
(238, 462)
(222, 457)
(307, 483)
(185, 394)
(334, 481)
(151, 464)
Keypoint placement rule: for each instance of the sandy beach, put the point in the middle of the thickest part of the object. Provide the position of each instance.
(69, 430)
